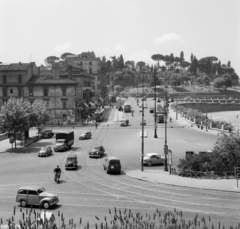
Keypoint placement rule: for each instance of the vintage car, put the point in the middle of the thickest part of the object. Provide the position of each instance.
(97, 151)
(71, 161)
(45, 152)
(152, 159)
(112, 164)
(36, 195)
(86, 135)
(47, 134)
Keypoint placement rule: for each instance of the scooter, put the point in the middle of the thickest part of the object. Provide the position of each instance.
(57, 177)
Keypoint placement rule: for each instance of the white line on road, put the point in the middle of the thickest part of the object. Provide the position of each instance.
(4, 185)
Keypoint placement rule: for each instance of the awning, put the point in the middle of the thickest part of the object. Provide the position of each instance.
(91, 104)
(85, 105)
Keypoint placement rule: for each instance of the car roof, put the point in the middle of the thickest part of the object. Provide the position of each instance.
(72, 155)
(97, 146)
(151, 154)
(31, 187)
(112, 158)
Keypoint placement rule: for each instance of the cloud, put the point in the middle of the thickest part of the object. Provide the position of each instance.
(120, 48)
(65, 47)
(168, 37)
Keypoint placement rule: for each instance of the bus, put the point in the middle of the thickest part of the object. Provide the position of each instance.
(160, 118)
(99, 115)
(127, 107)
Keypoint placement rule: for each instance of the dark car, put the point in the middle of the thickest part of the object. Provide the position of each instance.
(112, 164)
(86, 135)
(47, 134)
(152, 110)
(97, 151)
(71, 162)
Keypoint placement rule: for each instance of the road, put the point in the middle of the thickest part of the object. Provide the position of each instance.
(89, 191)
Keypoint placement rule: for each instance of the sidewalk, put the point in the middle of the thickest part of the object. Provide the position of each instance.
(162, 177)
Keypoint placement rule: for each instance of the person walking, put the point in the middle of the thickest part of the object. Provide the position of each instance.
(96, 125)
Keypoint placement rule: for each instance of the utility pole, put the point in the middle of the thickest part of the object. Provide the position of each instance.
(166, 146)
(206, 113)
(142, 127)
(155, 105)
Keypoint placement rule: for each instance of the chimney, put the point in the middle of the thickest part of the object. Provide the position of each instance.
(20, 63)
(55, 71)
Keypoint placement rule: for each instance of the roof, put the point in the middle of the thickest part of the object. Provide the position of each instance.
(150, 154)
(15, 66)
(113, 158)
(46, 80)
(31, 187)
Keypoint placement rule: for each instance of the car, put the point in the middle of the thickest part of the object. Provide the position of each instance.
(45, 151)
(86, 135)
(97, 151)
(124, 122)
(112, 164)
(151, 110)
(36, 195)
(152, 159)
(144, 123)
(71, 161)
(47, 134)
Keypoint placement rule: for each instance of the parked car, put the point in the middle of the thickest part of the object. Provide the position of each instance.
(71, 161)
(36, 195)
(47, 134)
(45, 151)
(86, 135)
(152, 110)
(97, 151)
(152, 159)
(112, 164)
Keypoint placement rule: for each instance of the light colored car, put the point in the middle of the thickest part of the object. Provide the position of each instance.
(97, 151)
(36, 195)
(86, 135)
(152, 159)
(45, 151)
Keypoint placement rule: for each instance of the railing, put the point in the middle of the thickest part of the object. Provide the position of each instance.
(201, 174)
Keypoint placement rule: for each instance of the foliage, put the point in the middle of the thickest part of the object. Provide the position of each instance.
(49, 61)
(218, 83)
(64, 55)
(117, 219)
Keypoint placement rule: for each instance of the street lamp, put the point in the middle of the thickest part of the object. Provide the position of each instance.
(206, 113)
(165, 145)
(142, 122)
(155, 104)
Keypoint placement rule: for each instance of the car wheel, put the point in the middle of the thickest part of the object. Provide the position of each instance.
(46, 205)
(149, 163)
(23, 203)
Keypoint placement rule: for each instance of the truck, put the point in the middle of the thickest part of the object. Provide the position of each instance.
(64, 141)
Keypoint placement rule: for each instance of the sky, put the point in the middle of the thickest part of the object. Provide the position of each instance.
(32, 30)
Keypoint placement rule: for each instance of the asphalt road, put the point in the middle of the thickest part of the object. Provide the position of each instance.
(89, 191)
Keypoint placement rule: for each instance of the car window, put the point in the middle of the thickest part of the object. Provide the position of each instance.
(49, 148)
(22, 191)
(71, 159)
(114, 162)
(40, 190)
(96, 147)
(33, 193)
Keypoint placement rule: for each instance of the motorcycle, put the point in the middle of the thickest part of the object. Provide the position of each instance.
(57, 177)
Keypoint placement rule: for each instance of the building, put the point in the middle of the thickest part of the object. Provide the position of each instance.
(25, 80)
(92, 65)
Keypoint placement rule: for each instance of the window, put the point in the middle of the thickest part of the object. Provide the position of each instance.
(45, 92)
(4, 79)
(63, 91)
(33, 193)
(64, 103)
(90, 63)
(19, 79)
(11, 90)
(30, 91)
(22, 191)
(90, 70)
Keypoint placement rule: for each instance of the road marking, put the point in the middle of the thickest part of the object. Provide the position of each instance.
(4, 185)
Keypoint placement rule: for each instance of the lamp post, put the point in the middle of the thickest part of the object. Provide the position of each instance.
(155, 105)
(142, 123)
(176, 108)
(165, 145)
(206, 113)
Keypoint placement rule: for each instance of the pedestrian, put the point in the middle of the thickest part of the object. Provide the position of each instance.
(132, 112)
(96, 125)
(230, 130)
(237, 116)
(170, 119)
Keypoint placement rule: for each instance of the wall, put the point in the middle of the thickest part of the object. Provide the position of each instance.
(212, 107)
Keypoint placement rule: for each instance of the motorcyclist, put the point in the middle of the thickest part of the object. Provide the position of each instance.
(57, 172)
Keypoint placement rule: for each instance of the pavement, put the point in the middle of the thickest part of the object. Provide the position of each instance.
(162, 177)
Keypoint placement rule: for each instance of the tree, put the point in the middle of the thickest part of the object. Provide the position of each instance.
(15, 115)
(171, 58)
(182, 56)
(157, 57)
(141, 64)
(121, 62)
(64, 55)
(229, 64)
(235, 79)
(191, 58)
(49, 61)
(227, 80)
(218, 83)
